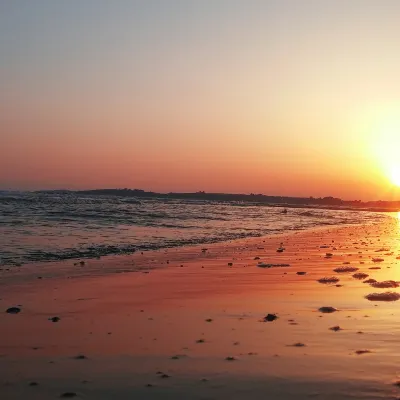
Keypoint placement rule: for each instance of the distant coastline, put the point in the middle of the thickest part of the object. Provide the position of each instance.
(328, 202)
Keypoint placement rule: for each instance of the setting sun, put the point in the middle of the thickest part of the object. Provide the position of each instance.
(385, 143)
(395, 175)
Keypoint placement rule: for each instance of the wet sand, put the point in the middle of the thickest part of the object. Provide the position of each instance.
(184, 324)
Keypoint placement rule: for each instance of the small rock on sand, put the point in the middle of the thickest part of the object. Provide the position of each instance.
(385, 296)
(344, 269)
(266, 265)
(335, 328)
(359, 352)
(328, 279)
(68, 395)
(270, 317)
(80, 357)
(384, 284)
(230, 358)
(327, 309)
(301, 273)
(54, 319)
(13, 310)
(360, 275)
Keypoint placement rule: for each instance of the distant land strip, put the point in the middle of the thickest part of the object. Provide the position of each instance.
(259, 199)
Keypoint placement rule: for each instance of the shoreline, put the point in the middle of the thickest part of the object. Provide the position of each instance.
(202, 325)
(124, 263)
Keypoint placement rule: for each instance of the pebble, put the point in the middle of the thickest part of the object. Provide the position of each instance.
(80, 357)
(270, 317)
(359, 352)
(68, 395)
(336, 328)
(13, 310)
(327, 309)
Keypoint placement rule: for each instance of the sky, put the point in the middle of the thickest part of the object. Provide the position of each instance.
(296, 98)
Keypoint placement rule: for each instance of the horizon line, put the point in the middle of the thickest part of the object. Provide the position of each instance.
(199, 192)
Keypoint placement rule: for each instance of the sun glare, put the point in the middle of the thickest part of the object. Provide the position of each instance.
(386, 144)
(395, 176)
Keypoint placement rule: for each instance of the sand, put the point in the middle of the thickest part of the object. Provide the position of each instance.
(183, 324)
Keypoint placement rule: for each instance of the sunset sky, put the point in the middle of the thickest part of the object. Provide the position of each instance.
(278, 97)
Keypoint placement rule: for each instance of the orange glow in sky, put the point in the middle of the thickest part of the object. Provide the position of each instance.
(276, 97)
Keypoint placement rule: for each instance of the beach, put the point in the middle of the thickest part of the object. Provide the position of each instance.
(199, 200)
(189, 322)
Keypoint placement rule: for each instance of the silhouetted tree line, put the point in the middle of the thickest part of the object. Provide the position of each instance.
(328, 201)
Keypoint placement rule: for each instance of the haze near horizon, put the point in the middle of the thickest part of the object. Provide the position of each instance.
(296, 98)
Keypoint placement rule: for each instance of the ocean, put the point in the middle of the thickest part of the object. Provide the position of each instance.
(38, 227)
